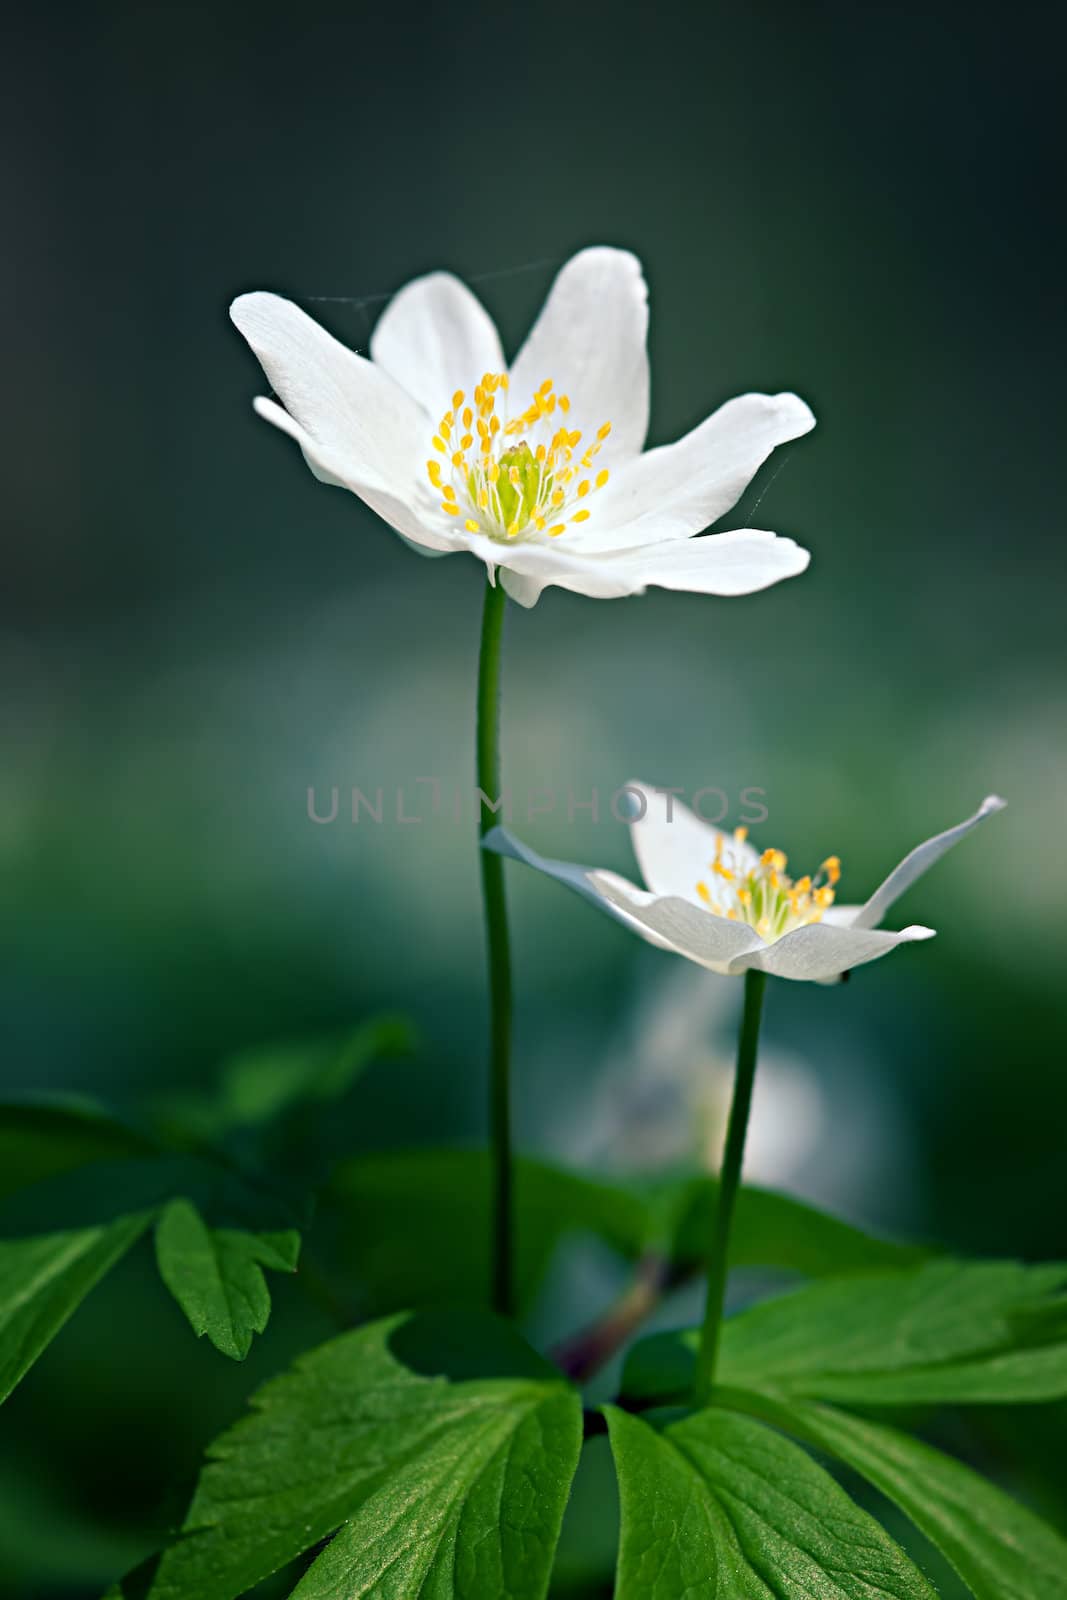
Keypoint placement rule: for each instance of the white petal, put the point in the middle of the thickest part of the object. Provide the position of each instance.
(435, 337)
(919, 861)
(667, 922)
(590, 340)
(674, 854)
(401, 516)
(682, 488)
(821, 952)
(362, 426)
(738, 562)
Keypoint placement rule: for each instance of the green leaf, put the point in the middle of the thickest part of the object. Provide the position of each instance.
(1001, 1550)
(44, 1279)
(416, 1225)
(717, 1505)
(262, 1084)
(437, 1447)
(43, 1138)
(216, 1275)
(948, 1331)
(773, 1230)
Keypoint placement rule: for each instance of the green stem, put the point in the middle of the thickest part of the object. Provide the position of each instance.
(499, 955)
(729, 1182)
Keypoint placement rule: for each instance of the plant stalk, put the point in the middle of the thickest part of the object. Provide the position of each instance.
(499, 957)
(729, 1182)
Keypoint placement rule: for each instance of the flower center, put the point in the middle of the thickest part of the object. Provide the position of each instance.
(512, 477)
(763, 895)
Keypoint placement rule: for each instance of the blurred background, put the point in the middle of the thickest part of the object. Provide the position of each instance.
(853, 202)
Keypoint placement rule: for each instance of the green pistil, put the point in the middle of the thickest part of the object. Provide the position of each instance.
(518, 500)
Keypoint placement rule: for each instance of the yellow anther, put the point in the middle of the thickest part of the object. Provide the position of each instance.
(438, 444)
(466, 441)
(740, 834)
(483, 499)
(555, 532)
(433, 468)
(558, 497)
(494, 424)
(513, 474)
(448, 492)
(580, 516)
(459, 459)
(483, 427)
(513, 528)
(457, 399)
(468, 416)
(564, 403)
(832, 867)
(446, 505)
(540, 453)
(494, 472)
(583, 488)
(545, 387)
(505, 382)
(704, 892)
(602, 477)
(802, 885)
(603, 431)
(471, 527)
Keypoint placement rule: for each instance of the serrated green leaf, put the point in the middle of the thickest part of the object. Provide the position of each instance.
(216, 1275)
(1000, 1549)
(437, 1447)
(43, 1280)
(416, 1225)
(948, 1331)
(717, 1505)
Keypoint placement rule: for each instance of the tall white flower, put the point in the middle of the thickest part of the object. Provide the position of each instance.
(715, 899)
(538, 470)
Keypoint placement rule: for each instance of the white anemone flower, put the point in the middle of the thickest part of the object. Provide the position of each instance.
(539, 470)
(715, 899)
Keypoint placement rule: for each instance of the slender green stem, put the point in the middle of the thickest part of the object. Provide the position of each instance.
(729, 1182)
(499, 954)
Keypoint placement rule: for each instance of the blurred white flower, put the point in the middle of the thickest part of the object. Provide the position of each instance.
(716, 900)
(539, 471)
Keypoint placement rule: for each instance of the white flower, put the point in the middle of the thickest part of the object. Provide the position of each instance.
(715, 899)
(538, 470)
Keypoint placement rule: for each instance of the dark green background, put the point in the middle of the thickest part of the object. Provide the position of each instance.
(858, 202)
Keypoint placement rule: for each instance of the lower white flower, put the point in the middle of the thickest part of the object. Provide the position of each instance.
(715, 899)
(539, 470)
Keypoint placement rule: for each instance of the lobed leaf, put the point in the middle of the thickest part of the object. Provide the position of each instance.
(438, 1448)
(947, 1331)
(1000, 1549)
(716, 1504)
(216, 1274)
